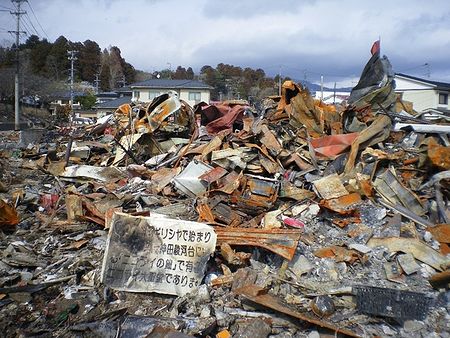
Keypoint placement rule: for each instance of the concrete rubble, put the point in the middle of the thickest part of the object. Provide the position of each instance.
(296, 220)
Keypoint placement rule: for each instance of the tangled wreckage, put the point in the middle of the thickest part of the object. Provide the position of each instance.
(296, 220)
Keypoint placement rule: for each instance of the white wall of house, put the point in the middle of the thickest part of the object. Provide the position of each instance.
(191, 96)
(409, 84)
(194, 96)
(330, 97)
(421, 99)
(423, 95)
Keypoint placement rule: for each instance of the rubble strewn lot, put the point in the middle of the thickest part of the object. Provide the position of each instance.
(296, 220)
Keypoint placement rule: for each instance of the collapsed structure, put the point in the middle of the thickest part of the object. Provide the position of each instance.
(280, 222)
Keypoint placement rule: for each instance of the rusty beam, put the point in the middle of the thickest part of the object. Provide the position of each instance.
(260, 296)
(283, 242)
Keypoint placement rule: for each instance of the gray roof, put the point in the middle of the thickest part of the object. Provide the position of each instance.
(171, 84)
(439, 85)
(113, 104)
(66, 94)
(122, 90)
(107, 94)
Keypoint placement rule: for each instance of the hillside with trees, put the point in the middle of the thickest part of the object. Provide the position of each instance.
(45, 67)
(234, 82)
(45, 70)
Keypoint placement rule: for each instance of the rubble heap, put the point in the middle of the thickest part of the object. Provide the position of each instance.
(296, 220)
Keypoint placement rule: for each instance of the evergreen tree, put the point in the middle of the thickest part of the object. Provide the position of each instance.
(57, 62)
(89, 60)
(105, 78)
(38, 57)
(189, 73)
(180, 73)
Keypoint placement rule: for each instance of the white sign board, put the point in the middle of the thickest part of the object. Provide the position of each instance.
(156, 254)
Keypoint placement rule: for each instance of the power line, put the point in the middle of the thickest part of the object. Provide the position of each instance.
(34, 28)
(35, 17)
(26, 27)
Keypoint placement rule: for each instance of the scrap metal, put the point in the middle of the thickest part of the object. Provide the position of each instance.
(280, 241)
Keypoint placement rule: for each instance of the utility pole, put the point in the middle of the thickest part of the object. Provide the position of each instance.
(17, 13)
(428, 69)
(321, 87)
(334, 94)
(72, 58)
(123, 81)
(279, 81)
(96, 82)
(170, 70)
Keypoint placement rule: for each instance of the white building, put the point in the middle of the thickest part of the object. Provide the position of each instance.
(332, 97)
(425, 95)
(191, 91)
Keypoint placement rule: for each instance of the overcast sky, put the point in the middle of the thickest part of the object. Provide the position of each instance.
(304, 38)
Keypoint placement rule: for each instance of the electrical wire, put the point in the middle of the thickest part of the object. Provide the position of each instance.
(34, 28)
(37, 20)
(26, 27)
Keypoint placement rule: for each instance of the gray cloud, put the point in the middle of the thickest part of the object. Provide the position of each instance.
(246, 8)
(322, 37)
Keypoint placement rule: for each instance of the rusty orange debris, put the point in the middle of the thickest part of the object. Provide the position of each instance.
(8, 215)
(331, 146)
(280, 241)
(344, 205)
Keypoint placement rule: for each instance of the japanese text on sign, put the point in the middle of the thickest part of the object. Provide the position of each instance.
(155, 254)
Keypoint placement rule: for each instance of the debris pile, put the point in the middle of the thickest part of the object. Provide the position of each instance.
(295, 220)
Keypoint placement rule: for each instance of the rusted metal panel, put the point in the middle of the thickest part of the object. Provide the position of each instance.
(269, 139)
(439, 156)
(300, 106)
(440, 232)
(332, 145)
(280, 241)
(222, 117)
(257, 192)
(229, 182)
(8, 215)
(344, 205)
(213, 175)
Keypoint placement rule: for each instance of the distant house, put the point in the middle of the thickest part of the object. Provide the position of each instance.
(426, 95)
(110, 106)
(332, 97)
(108, 102)
(61, 99)
(112, 95)
(106, 96)
(191, 91)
